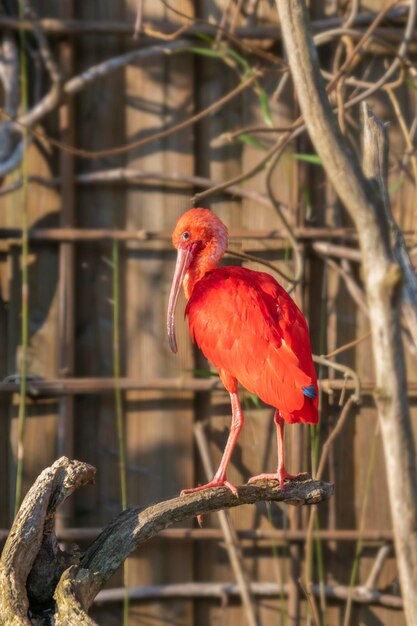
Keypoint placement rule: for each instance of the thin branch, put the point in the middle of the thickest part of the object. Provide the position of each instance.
(348, 346)
(78, 84)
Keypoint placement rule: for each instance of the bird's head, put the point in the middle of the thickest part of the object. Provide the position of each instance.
(200, 238)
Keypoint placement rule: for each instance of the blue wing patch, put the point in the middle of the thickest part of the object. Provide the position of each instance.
(309, 391)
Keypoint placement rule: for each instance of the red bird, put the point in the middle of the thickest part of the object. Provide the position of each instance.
(247, 325)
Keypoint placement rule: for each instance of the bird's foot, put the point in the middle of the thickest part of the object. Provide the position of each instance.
(281, 476)
(216, 482)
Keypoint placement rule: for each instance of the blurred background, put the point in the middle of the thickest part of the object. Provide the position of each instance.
(122, 134)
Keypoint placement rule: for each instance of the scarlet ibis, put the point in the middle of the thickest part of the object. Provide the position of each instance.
(248, 326)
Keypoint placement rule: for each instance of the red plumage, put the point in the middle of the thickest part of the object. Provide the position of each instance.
(248, 326)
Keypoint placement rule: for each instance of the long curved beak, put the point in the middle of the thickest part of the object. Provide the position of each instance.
(184, 259)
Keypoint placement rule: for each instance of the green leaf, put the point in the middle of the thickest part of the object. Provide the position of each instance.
(397, 184)
(205, 37)
(410, 83)
(264, 102)
(254, 398)
(250, 139)
(307, 201)
(239, 59)
(201, 373)
(205, 52)
(314, 159)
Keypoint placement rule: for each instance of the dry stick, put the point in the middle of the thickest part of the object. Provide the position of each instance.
(344, 270)
(359, 46)
(235, 16)
(250, 257)
(298, 126)
(354, 10)
(230, 535)
(404, 129)
(133, 175)
(348, 346)
(51, 100)
(198, 22)
(139, 18)
(398, 61)
(229, 136)
(382, 278)
(89, 154)
(223, 21)
(225, 591)
(325, 249)
(319, 39)
(63, 27)
(383, 553)
(92, 74)
(294, 131)
(298, 257)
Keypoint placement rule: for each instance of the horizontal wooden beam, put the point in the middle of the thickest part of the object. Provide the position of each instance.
(64, 27)
(81, 386)
(216, 534)
(58, 235)
(220, 591)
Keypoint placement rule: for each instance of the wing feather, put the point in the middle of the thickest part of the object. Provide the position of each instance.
(248, 326)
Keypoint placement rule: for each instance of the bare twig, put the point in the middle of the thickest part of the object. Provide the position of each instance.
(384, 552)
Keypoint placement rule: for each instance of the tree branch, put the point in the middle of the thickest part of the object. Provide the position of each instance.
(135, 526)
(365, 204)
(32, 563)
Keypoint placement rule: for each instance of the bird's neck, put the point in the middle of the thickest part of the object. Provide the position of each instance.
(201, 266)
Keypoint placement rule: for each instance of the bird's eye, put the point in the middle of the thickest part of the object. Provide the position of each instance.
(185, 235)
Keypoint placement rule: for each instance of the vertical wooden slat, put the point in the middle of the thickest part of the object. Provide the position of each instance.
(100, 124)
(66, 312)
(158, 426)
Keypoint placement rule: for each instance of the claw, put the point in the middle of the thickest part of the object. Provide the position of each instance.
(213, 483)
(280, 476)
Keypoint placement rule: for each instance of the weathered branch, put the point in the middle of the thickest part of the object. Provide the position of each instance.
(382, 280)
(34, 572)
(375, 166)
(32, 563)
(135, 526)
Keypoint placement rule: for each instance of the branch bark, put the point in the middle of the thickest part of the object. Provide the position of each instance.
(365, 204)
(31, 562)
(38, 579)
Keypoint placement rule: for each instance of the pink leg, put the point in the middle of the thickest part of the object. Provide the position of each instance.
(281, 473)
(219, 479)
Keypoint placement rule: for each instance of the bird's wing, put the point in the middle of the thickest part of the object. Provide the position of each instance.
(248, 327)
